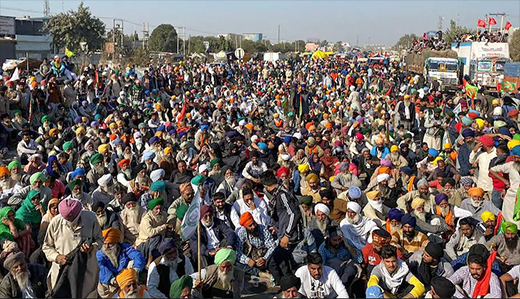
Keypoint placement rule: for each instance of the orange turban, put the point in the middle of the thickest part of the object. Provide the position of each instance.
(113, 137)
(384, 169)
(4, 170)
(328, 126)
(112, 235)
(126, 276)
(246, 219)
(123, 163)
(249, 127)
(476, 192)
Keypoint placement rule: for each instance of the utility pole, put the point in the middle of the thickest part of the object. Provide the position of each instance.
(146, 36)
(441, 18)
(357, 41)
(501, 15)
(46, 8)
(189, 44)
(278, 34)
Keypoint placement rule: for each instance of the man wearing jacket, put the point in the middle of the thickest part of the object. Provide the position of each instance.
(23, 280)
(214, 235)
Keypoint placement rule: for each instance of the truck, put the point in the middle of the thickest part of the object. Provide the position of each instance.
(434, 65)
(484, 63)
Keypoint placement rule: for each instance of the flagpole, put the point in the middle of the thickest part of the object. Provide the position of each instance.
(198, 250)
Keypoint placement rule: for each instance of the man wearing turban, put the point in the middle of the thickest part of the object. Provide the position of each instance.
(222, 279)
(465, 237)
(427, 222)
(376, 209)
(434, 130)
(488, 225)
(64, 234)
(430, 263)
(423, 191)
(372, 251)
(105, 191)
(37, 182)
(313, 187)
(131, 217)
(23, 280)
(318, 225)
(356, 228)
(476, 203)
(152, 229)
(97, 169)
(128, 283)
(181, 288)
(187, 194)
(76, 192)
(507, 245)
(113, 257)
(344, 180)
(408, 240)
(393, 220)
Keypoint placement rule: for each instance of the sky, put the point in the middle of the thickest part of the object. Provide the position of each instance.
(368, 21)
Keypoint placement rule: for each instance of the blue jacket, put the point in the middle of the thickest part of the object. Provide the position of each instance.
(107, 271)
(463, 158)
(373, 152)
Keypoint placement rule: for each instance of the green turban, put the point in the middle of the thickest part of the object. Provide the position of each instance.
(290, 114)
(96, 158)
(516, 137)
(37, 175)
(13, 164)
(44, 118)
(215, 162)
(200, 179)
(75, 183)
(158, 186)
(181, 211)
(179, 285)
(225, 254)
(68, 145)
(155, 202)
(305, 200)
(437, 110)
(16, 112)
(509, 226)
(450, 113)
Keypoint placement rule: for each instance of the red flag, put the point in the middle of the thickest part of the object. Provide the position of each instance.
(508, 25)
(389, 90)
(492, 21)
(481, 23)
(482, 286)
(183, 111)
(499, 87)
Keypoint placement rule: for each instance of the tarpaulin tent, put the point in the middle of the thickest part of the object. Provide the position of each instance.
(319, 55)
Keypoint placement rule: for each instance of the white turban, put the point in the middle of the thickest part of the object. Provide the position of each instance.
(242, 123)
(497, 111)
(254, 138)
(157, 174)
(34, 156)
(203, 168)
(354, 206)
(322, 208)
(286, 157)
(382, 177)
(297, 135)
(104, 180)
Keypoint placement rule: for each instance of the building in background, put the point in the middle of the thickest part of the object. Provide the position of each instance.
(7, 38)
(311, 47)
(255, 37)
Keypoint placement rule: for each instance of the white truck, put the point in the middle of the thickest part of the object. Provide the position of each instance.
(484, 63)
(435, 65)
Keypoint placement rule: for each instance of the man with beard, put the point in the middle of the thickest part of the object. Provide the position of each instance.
(248, 202)
(344, 180)
(125, 173)
(375, 209)
(148, 161)
(319, 224)
(289, 285)
(216, 173)
(427, 222)
(475, 278)
(423, 191)
(74, 228)
(313, 187)
(462, 240)
(168, 162)
(23, 280)
(380, 151)
(113, 257)
(166, 269)
(8, 186)
(371, 252)
(397, 159)
(105, 191)
(356, 147)
(222, 279)
(476, 203)
(393, 276)
(106, 218)
(223, 210)
(406, 111)
(36, 181)
(15, 168)
(87, 154)
(131, 217)
(186, 197)
(140, 182)
(512, 170)
(228, 186)
(507, 245)
(214, 236)
(255, 248)
(152, 230)
(319, 281)
(429, 263)
(129, 287)
(444, 210)
(393, 220)
(357, 229)
(76, 192)
(465, 150)
(97, 170)
(408, 240)
(406, 181)
(367, 166)
(26, 146)
(429, 164)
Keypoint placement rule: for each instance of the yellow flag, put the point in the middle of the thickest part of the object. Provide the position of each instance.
(68, 52)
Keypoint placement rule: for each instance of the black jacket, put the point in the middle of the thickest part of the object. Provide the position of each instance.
(38, 279)
(222, 231)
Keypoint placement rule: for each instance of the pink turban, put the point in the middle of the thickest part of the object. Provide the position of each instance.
(386, 162)
(353, 168)
(69, 207)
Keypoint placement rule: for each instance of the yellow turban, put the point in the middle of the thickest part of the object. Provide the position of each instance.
(480, 123)
(113, 126)
(372, 195)
(302, 168)
(417, 202)
(476, 192)
(487, 215)
(126, 276)
(112, 235)
(313, 177)
(447, 145)
(394, 148)
(168, 150)
(56, 130)
(103, 148)
(80, 130)
(513, 143)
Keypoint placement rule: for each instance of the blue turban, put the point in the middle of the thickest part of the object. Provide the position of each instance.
(516, 150)
(343, 166)
(468, 133)
(204, 127)
(466, 120)
(374, 292)
(287, 139)
(77, 172)
(166, 245)
(439, 197)
(354, 192)
(406, 170)
(395, 214)
(504, 131)
(161, 128)
(408, 219)
(433, 152)
(149, 155)
(153, 140)
(181, 134)
(263, 146)
(158, 186)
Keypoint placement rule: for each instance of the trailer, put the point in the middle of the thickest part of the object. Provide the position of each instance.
(434, 65)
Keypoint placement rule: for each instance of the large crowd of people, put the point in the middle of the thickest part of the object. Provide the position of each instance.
(325, 178)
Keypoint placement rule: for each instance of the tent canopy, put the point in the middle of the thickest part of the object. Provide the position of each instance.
(319, 55)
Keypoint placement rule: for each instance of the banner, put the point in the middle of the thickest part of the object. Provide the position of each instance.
(481, 23)
(508, 86)
(191, 218)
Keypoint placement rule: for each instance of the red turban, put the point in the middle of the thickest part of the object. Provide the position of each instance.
(123, 163)
(487, 141)
(246, 219)
(281, 171)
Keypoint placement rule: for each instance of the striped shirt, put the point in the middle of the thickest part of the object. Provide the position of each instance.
(406, 245)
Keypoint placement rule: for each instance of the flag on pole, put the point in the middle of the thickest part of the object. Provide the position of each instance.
(508, 25)
(16, 75)
(191, 218)
(471, 91)
(69, 53)
(492, 21)
(481, 23)
(516, 210)
(508, 86)
(183, 111)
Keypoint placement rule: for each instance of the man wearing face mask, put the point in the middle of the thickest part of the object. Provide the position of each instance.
(476, 203)
(74, 229)
(105, 192)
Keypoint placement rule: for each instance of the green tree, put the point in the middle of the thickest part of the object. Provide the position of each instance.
(70, 28)
(163, 39)
(454, 30)
(514, 46)
(405, 41)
